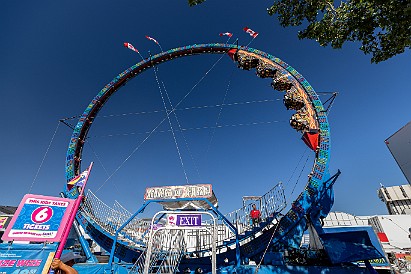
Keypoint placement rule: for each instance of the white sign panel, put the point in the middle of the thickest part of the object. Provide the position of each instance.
(175, 192)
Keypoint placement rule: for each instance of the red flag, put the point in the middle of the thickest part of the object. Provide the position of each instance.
(152, 39)
(130, 46)
(251, 32)
(229, 34)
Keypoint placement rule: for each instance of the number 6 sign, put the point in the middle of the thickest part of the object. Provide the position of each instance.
(42, 214)
(39, 219)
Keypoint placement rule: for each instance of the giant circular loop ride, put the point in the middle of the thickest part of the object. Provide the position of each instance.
(309, 118)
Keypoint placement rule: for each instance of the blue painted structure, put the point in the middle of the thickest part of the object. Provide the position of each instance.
(361, 243)
(213, 209)
(244, 269)
(313, 204)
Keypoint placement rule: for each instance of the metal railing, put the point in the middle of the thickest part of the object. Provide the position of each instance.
(168, 247)
(111, 218)
(138, 266)
(272, 203)
(99, 212)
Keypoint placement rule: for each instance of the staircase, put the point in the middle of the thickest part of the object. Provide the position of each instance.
(273, 202)
(167, 249)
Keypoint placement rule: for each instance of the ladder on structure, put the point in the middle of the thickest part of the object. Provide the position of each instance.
(167, 250)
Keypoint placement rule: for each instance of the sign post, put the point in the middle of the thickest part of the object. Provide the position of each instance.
(72, 215)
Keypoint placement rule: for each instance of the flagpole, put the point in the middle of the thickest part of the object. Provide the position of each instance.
(250, 41)
(72, 216)
(130, 46)
(155, 41)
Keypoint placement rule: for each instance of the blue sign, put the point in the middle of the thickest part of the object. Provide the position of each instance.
(39, 219)
(26, 258)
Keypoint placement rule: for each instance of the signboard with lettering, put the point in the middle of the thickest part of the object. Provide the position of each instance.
(26, 258)
(175, 192)
(3, 222)
(375, 262)
(39, 219)
(184, 219)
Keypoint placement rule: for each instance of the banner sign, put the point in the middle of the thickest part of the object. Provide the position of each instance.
(3, 222)
(26, 258)
(39, 219)
(184, 220)
(175, 192)
(381, 262)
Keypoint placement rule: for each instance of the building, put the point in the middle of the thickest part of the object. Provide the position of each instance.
(396, 198)
(393, 232)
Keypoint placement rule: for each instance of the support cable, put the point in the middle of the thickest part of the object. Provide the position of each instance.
(266, 249)
(170, 123)
(44, 157)
(188, 108)
(299, 161)
(161, 122)
(219, 113)
(101, 163)
(89, 144)
(194, 128)
(182, 133)
(250, 41)
(299, 176)
(330, 100)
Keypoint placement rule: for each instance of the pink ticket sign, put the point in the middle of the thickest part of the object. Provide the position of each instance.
(39, 219)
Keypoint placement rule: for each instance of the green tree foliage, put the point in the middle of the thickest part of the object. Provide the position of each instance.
(195, 2)
(382, 26)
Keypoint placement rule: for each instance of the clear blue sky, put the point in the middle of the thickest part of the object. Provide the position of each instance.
(56, 56)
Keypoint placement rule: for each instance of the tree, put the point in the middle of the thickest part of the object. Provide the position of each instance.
(195, 2)
(383, 27)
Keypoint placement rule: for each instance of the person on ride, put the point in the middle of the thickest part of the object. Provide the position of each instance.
(65, 263)
(255, 215)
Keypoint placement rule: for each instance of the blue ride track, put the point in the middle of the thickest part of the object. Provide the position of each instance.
(312, 204)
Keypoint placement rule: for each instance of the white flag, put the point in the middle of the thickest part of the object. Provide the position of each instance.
(130, 46)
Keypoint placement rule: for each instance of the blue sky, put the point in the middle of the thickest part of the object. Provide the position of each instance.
(56, 56)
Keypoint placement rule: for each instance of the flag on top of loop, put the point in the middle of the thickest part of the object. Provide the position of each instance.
(251, 32)
(152, 39)
(229, 34)
(130, 46)
(79, 180)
